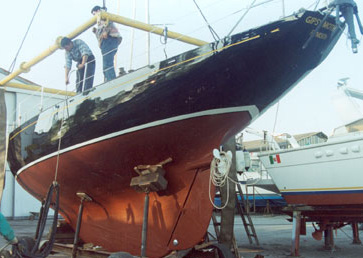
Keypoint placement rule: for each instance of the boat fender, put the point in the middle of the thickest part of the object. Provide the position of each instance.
(240, 161)
(247, 157)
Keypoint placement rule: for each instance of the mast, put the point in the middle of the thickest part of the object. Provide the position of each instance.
(283, 8)
(132, 35)
(148, 34)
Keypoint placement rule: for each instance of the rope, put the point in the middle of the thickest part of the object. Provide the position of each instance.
(11, 68)
(60, 132)
(46, 249)
(219, 170)
(58, 152)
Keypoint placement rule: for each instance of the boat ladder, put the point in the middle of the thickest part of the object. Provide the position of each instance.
(243, 211)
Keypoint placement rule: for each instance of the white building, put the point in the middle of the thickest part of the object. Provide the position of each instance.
(21, 105)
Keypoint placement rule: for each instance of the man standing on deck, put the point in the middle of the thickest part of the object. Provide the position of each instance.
(78, 51)
(109, 39)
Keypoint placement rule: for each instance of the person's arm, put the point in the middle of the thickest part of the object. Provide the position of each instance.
(67, 75)
(6, 231)
(84, 61)
(103, 29)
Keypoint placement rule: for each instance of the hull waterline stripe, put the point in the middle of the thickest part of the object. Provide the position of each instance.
(252, 110)
(322, 193)
(339, 190)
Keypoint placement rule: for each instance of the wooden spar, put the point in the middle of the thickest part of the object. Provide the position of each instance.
(151, 28)
(25, 67)
(39, 88)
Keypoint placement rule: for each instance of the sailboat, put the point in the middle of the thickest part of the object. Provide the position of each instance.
(163, 120)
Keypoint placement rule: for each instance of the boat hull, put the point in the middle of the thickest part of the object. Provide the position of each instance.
(180, 108)
(104, 170)
(321, 174)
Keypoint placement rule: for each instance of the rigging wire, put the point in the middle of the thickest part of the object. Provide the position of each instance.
(11, 68)
(243, 16)
(276, 115)
(202, 27)
(213, 32)
(60, 136)
(256, 5)
(316, 6)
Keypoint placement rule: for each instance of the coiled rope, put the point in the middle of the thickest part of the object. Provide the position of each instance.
(219, 174)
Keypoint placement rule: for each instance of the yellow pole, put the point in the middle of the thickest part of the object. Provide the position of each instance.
(38, 88)
(151, 28)
(25, 67)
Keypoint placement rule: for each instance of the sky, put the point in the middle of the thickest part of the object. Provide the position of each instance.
(306, 108)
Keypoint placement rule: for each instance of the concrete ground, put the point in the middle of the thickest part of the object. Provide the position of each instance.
(274, 233)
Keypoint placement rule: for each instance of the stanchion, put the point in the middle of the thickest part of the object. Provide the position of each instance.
(84, 197)
(144, 225)
(150, 179)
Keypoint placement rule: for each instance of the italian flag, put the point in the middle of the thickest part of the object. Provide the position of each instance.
(275, 159)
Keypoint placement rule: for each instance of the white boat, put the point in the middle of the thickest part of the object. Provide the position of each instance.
(257, 185)
(327, 173)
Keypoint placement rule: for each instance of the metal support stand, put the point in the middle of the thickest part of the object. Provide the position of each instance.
(151, 179)
(84, 197)
(328, 238)
(296, 224)
(38, 224)
(144, 225)
(356, 239)
(267, 209)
